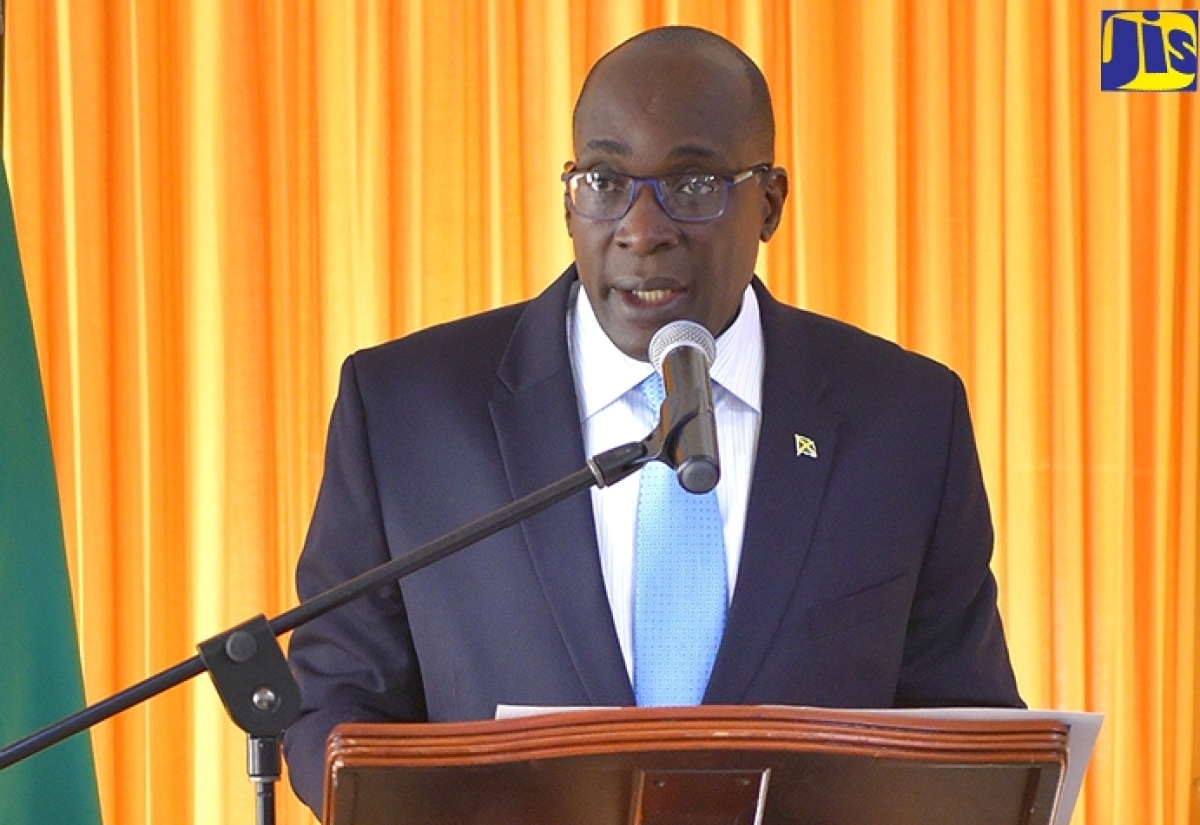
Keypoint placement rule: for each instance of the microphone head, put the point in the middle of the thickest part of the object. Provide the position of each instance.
(681, 334)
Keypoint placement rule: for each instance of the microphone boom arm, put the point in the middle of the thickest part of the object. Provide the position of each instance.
(247, 665)
(240, 648)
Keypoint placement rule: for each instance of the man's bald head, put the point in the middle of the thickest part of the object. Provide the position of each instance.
(670, 42)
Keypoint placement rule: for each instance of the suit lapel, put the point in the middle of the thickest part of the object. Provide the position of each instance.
(538, 431)
(796, 445)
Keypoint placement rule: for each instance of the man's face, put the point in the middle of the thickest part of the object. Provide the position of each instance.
(653, 115)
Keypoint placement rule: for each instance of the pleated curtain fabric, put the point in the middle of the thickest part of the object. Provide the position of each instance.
(217, 202)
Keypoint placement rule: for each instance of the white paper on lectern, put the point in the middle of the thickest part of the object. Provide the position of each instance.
(1082, 730)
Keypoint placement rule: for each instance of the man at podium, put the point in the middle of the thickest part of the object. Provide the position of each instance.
(842, 559)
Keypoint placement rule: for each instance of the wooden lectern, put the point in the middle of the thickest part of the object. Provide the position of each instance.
(707, 765)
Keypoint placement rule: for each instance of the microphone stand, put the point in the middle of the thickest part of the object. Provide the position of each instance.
(247, 666)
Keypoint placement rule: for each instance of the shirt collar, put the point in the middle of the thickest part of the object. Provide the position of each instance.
(603, 373)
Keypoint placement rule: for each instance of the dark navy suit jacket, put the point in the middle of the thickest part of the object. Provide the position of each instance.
(864, 578)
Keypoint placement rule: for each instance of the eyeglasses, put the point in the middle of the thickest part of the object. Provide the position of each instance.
(605, 195)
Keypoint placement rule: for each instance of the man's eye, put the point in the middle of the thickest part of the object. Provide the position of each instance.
(604, 182)
(694, 186)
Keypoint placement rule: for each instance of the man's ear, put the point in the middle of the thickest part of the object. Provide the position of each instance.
(567, 217)
(776, 195)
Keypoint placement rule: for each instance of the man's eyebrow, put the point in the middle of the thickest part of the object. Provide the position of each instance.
(686, 151)
(609, 147)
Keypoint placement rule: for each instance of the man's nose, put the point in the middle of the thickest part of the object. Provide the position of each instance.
(646, 227)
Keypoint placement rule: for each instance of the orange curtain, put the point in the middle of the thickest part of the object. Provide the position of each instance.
(217, 200)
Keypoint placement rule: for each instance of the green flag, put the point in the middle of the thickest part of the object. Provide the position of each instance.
(40, 676)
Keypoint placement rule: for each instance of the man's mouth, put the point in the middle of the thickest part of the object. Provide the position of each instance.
(652, 296)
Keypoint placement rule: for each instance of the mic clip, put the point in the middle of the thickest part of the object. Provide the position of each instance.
(680, 411)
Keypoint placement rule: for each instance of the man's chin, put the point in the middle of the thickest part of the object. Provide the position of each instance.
(632, 341)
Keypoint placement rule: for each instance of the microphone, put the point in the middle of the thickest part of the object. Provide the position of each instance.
(682, 352)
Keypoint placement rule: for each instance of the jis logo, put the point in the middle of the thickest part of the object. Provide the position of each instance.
(1148, 51)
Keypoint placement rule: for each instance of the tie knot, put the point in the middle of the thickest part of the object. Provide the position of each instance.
(654, 390)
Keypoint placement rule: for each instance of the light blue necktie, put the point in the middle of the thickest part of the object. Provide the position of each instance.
(680, 584)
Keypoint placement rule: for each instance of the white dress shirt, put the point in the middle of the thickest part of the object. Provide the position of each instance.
(613, 411)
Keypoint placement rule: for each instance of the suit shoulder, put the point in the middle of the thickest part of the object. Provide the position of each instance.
(859, 354)
(465, 344)
(862, 374)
